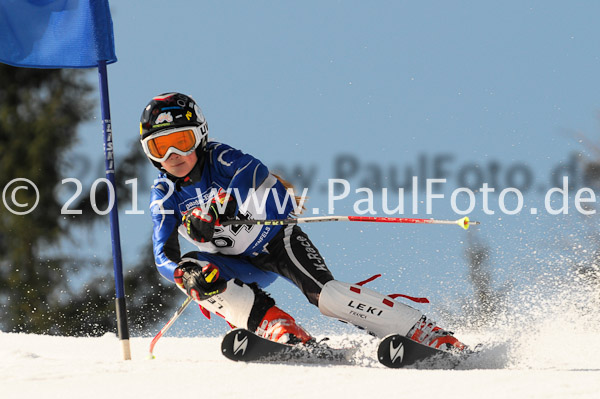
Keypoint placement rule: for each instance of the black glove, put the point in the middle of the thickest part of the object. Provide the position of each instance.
(198, 279)
(200, 225)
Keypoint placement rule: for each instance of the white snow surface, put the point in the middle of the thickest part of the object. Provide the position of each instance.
(556, 365)
(541, 346)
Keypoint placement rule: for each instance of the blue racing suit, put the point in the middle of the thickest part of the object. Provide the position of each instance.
(258, 193)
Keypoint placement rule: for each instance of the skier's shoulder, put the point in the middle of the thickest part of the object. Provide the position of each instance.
(161, 186)
(223, 154)
(217, 148)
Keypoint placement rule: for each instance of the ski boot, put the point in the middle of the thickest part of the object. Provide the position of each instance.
(426, 332)
(280, 327)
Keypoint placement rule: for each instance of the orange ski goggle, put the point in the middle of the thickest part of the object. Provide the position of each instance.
(161, 145)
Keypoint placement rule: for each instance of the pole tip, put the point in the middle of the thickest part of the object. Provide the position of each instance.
(465, 222)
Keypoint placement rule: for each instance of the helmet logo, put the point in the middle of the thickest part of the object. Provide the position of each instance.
(188, 115)
(164, 117)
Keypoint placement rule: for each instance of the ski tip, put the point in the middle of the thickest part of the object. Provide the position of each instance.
(391, 351)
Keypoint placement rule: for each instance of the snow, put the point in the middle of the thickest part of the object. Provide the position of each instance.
(543, 344)
(560, 365)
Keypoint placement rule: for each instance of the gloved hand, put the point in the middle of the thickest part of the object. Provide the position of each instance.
(200, 225)
(198, 279)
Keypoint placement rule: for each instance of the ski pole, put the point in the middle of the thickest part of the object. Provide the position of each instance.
(178, 313)
(463, 222)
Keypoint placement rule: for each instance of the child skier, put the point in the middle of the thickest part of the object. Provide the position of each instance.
(194, 194)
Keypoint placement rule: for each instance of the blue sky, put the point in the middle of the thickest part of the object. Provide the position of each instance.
(299, 83)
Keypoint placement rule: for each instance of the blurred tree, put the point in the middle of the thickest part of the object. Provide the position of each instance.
(39, 114)
(487, 301)
(481, 279)
(588, 270)
(91, 305)
(40, 111)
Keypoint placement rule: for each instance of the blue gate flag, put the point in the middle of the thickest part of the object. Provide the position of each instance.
(56, 33)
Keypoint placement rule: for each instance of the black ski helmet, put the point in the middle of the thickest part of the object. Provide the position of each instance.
(182, 111)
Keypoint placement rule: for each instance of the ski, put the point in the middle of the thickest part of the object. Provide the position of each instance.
(396, 351)
(243, 345)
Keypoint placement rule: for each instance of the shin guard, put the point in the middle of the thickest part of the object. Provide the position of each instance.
(234, 305)
(367, 309)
